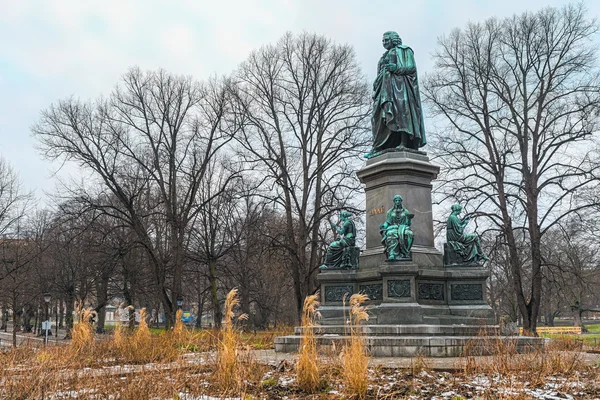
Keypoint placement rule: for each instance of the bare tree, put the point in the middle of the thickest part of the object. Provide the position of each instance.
(518, 101)
(257, 267)
(572, 258)
(14, 204)
(212, 236)
(303, 105)
(147, 148)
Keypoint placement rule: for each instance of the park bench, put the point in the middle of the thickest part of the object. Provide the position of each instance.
(557, 330)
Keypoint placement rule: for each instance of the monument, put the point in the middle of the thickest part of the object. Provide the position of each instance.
(418, 303)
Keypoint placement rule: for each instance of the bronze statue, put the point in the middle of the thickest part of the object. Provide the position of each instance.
(342, 253)
(397, 119)
(397, 238)
(466, 245)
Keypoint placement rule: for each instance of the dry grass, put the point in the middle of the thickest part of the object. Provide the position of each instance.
(141, 365)
(264, 339)
(141, 340)
(355, 359)
(559, 357)
(307, 367)
(92, 368)
(118, 339)
(58, 371)
(82, 333)
(229, 373)
(179, 331)
(419, 364)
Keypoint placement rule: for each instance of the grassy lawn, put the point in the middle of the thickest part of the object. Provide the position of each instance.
(592, 338)
(593, 328)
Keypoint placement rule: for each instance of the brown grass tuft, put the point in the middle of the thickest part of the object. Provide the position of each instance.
(307, 367)
(355, 360)
(118, 339)
(229, 373)
(82, 333)
(141, 339)
(506, 359)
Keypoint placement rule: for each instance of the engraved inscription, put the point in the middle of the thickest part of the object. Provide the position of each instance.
(375, 211)
(431, 291)
(375, 291)
(336, 293)
(398, 288)
(467, 291)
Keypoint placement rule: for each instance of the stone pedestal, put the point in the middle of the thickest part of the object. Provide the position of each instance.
(417, 298)
(415, 291)
(409, 175)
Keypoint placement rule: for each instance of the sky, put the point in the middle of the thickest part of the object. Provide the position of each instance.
(54, 49)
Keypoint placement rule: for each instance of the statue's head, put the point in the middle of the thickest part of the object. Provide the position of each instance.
(456, 208)
(345, 215)
(391, 39)
(398, 200)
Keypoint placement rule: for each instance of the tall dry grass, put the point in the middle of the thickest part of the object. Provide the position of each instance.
(82, 333)
(354, 355)
(132, 365)
(229, 372)
(140, 346)
(141, 340)
(118, 338)
(307, 367)
(505, 358)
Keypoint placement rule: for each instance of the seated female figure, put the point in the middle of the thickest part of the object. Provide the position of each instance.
(397, 238)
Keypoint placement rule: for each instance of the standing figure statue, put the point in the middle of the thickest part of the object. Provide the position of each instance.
(397, 238)
(466, 245)
(343, 253)
(397, 119)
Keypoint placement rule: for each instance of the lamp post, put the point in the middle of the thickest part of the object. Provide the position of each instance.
(47, 298)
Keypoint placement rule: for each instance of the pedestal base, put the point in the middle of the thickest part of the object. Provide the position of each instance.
(415, 306)
(415, 340)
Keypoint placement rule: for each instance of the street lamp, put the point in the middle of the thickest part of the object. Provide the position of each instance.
(47, 298)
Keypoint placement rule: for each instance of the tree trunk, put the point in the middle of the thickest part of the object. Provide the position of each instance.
(15, 326)
(217, 313)
(37, 328)
(62, 309)
(550, 319)
(57, 312)
(245, 304)
(298, 291)
(69, 309)
(200, 307)
(4, 317)
(100, 322)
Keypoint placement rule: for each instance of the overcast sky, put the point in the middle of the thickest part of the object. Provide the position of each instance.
(52, 49)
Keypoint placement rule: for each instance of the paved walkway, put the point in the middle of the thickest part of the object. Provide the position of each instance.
(24, 337)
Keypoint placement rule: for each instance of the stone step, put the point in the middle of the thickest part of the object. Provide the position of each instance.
(340, 321)
(411, 346)
(457, 319)
(407, 330)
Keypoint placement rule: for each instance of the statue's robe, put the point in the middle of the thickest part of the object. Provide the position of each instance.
(466, 244)
(397, 237)
(335, 251)
(397, 104)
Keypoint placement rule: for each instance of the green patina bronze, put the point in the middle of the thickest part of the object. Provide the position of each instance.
(343, 253)
(397, 238)
(397, 119)
(466, 245)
